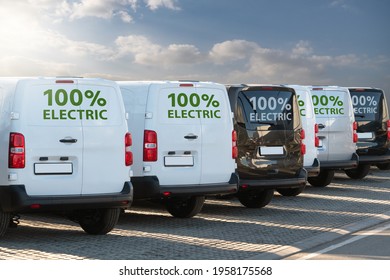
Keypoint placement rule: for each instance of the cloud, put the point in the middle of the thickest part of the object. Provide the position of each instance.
(156, 4)
(25, 66)
(70, 10)
(344, 5)
(299, 65)
(146, 52)
(231, 51)
(31, 46)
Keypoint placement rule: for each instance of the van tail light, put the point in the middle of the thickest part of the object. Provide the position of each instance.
(303, 146)
(388, 129)
(355, 135)
(316, 138)
(302, 134)
(128, 153)
(150, 145)
(17, 156)
(234, 145)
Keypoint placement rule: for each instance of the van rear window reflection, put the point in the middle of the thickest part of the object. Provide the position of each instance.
(367, 105)
(272, 108)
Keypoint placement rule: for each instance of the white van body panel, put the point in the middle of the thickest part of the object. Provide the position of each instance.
(308, 122)
(333, 109)
(156, 105)
(44, 111)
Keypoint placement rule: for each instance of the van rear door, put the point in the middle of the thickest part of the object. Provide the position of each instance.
(103, 137)
(269, 123)
(216, 136)
(371, 114)
(333, 114)
(45, 115)
(179, 134)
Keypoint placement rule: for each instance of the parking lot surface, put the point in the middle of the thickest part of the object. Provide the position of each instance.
(223, 230)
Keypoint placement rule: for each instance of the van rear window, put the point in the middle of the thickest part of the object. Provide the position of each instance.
(366, 105)
(263, 107)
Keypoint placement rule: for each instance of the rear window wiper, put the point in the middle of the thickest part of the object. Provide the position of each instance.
(359, 116)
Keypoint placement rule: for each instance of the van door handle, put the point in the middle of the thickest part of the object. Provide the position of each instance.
(68, 140)
(191, 137)
(321, 126)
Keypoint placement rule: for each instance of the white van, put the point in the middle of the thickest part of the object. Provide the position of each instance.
(311, 140)
(185, 143)
(64, 147)
(337, 132)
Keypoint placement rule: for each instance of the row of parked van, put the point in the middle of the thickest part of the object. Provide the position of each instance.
(89, 147)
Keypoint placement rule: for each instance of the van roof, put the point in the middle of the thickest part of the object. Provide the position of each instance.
(171, 82)
(373, 88)
(315, 87)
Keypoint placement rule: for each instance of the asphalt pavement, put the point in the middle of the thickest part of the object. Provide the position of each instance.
(224, 230)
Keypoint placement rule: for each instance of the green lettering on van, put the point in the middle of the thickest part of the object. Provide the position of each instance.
(193, 99)
(75, 98)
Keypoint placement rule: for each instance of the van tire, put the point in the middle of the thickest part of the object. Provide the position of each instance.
(4, 222)
(185, 208)
(323, 179)
(256, 199)
(383, 166)
(99, 221)
(291, 191)
(359, 172)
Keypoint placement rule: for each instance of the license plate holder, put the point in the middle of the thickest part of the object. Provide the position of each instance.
(175, 161)
(53, 168)
(365, 135)
(271, 151)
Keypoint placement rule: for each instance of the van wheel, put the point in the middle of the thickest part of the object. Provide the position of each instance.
(291, 191)
(323, 179)
(5, 219)
(383, 166)
(359, 172)
(257, 199)
(185, 208)
(99, 221)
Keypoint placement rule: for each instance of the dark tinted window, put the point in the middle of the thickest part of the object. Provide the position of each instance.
(367, 105)
(261, 107)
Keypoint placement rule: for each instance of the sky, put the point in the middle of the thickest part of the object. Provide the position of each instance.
(322, 42)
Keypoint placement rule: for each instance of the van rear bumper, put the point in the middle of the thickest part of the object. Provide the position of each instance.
(313, 170)
(259, 185)
(149, 187)
(14, 198)
(341, 164)
(375, 159)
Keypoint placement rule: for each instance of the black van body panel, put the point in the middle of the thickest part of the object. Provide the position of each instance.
(371, 119)
(149, 187)
(266, 171)
(14, 199)
(263, 184)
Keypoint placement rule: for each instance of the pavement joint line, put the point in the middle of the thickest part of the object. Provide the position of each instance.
(348, 241)
(288, 250)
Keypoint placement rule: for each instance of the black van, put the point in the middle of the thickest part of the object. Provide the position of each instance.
(372, 117)
(269, 141)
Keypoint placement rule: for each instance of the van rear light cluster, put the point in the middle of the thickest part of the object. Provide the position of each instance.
(16, 156)
(128, 153)
(316, 138)
(150, 145)
(234, 145)
(355, 135)
(388, 129)
(303, 146)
